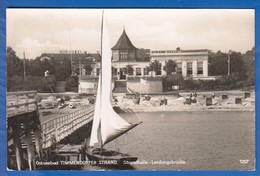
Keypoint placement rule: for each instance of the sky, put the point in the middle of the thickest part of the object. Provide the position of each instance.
(37, 31)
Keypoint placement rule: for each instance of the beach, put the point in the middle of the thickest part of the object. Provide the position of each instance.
(179, 103)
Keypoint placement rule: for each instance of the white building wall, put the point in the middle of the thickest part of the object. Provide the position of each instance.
(194, 68)
(142, 72)
(135, 65)
(184, 56)
(184, 68)
(205, 68)
(163, 64)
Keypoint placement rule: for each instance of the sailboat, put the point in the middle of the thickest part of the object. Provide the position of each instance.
(107, 124)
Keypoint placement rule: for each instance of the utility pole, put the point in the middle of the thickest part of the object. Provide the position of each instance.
(71, 57)
(80, 66)
(229, 53)
(24, 71)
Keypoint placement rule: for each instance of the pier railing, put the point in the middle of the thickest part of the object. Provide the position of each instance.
(21, 102)
(56, 129)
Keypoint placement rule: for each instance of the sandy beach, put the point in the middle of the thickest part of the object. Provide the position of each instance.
(175, 103)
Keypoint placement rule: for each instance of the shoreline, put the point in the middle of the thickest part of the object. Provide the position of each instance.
(197, 110)
(142, 109)
(195, 104)
(187, 108)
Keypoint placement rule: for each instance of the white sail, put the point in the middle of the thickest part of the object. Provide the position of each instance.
(111, 125)
(96, 118)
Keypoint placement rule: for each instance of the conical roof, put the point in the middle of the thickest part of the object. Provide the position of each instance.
(124, 43)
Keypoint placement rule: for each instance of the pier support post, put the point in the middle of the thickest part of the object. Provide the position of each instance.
(30, 147)
(18, 151)
(38, 141)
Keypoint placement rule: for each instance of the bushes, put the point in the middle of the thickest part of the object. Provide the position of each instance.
(72, 83)
(17, 83)
(225, 83)
(170, 80)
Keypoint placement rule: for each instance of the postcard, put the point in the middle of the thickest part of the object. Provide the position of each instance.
(130, 89)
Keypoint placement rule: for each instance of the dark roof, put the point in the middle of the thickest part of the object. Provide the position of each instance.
(124, 43)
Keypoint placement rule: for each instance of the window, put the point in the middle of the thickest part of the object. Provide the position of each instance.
(114, 71)
(123, 55)
(122, 71)
(159, 72)
(88, 69)
(138, 72)
(145, 71)
(179, 68)
(189, 68)
(130, 71)
(98, 71)
(200, 68)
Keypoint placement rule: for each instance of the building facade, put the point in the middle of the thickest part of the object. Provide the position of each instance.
(126, 67)
(190, 63)
(124, 50)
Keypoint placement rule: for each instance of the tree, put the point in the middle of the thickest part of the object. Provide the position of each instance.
(62, 70)
(218, 63)
(155, 66)
(143, 54)
(170, 67)
(38, 66)
(72, 83)
(237, 66)
(88, 69)
(14, 63)
(249, 64)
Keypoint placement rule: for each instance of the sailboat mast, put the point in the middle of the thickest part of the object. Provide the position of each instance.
(101, 41)
(101, 75)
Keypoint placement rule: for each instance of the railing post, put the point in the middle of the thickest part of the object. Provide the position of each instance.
(35, 101)
(16, 103)
(56, 134)
(26, 102)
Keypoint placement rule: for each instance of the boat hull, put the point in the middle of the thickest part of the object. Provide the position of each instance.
(109, 157)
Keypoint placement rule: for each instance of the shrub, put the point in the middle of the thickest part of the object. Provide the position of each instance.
(72, 83)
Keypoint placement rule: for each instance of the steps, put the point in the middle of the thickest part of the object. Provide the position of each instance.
(120, 86)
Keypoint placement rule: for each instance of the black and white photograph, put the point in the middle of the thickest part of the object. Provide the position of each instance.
(130, 89)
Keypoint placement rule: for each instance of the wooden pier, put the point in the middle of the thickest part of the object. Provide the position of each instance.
(29, 140)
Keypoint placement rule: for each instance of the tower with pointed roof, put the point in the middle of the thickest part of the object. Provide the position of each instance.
(124, 50)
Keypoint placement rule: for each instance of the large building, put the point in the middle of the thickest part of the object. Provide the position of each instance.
(79, 60)
(124, 59)
(190, 63)
(127, 67)
(124, 50)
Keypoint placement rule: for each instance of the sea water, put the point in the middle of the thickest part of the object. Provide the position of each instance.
(189, 141)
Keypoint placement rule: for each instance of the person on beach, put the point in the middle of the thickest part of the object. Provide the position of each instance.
(195, 94)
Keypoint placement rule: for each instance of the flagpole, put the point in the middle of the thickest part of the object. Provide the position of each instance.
(71, 56)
